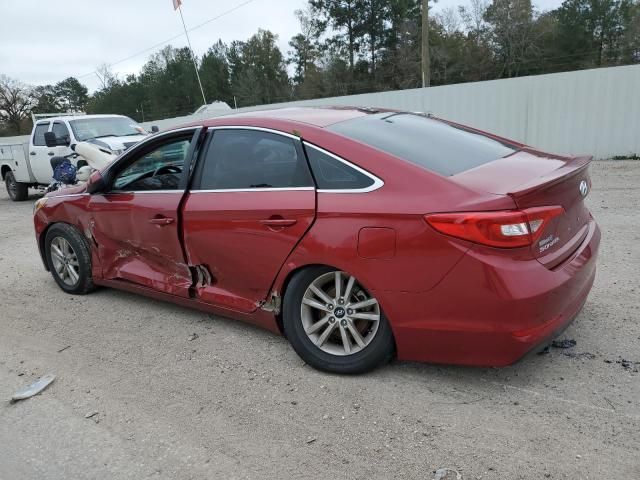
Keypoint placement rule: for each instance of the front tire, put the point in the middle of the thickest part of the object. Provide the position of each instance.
(69, 259)
(334, 324)
(17, 191)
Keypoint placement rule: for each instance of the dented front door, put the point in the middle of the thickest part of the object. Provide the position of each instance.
(135, 222)
(137, 239)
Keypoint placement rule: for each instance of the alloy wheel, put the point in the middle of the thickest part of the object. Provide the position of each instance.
(65, 261)
(338, 315)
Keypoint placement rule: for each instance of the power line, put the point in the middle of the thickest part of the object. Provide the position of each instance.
(153, 47)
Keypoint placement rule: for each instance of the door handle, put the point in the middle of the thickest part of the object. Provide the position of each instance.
(279, 222)
(51, 154)
(32, 153)
(161, 220)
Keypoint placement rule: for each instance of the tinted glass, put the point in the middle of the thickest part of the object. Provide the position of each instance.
(240, 159)
(159, 169)
(427, 142)
(38, 134)
(61, 131)
(332, 174)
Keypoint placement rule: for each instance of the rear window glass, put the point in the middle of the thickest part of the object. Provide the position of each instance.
(424, 141)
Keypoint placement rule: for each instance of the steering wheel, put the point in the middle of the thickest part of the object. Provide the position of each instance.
(167, 169)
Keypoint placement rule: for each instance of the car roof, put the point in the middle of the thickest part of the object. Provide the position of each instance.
(317, 116)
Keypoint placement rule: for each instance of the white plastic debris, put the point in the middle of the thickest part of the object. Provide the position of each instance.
(443, 474)
(33, 389)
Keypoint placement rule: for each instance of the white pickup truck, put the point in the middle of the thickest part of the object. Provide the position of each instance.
(27, 164)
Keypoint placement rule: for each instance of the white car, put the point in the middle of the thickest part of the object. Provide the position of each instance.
(20, 171)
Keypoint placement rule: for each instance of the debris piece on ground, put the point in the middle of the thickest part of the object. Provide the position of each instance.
(91, 414)
(587, 355)
(443, 474)
(33, 389)
(566, 343)
(563, 344)
(311, 440)
(64, 348)
(629, 365)
(192, 337)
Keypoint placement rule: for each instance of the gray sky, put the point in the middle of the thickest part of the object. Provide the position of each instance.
(46, 41)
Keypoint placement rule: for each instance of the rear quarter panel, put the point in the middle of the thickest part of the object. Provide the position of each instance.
(422, 256)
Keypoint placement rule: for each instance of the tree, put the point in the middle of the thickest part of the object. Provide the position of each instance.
(345, 18)
(258, 71)
(511, 31)
(16, 101)
(71, 95)
(631, 39)
(373, 27)
(47, 100)
(591, 32)
(214, 72)
(305, 49)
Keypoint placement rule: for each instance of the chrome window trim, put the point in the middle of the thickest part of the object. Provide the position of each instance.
(273, 189)
(259, 129)
(377, 182)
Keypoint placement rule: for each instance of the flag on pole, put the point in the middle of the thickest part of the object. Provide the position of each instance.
(176, 4)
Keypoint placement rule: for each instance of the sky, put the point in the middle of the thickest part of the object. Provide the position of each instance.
(43, 42)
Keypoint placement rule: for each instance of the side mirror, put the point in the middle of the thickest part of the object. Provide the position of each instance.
(154, 129)
(50, 139)
(96, 183)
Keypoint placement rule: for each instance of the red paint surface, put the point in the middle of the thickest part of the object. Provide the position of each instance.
(447, 300)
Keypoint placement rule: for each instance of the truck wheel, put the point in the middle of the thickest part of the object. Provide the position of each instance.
(17, 191)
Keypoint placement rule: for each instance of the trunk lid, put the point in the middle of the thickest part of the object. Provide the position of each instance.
(533, 179)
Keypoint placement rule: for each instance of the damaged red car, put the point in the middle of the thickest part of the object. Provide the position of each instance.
(359, 234)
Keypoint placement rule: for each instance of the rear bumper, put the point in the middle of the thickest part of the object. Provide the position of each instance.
(490, 310)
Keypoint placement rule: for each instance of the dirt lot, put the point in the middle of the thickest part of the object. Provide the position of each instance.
(236, 402)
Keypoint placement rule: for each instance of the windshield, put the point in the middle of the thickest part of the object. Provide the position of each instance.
(438, 146)
(89, 128)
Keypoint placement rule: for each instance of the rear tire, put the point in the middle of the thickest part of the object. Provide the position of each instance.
(69, 259)
(17, 191)
(334, 324)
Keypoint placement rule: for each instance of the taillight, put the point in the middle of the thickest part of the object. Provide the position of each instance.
(505, 229)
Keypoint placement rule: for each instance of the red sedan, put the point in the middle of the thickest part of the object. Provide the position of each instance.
(357, 233)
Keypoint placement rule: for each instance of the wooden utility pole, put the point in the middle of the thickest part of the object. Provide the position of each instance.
(426, 68)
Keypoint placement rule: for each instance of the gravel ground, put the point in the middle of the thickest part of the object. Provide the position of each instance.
(236, 402)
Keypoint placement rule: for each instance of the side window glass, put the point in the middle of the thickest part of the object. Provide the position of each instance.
(61, 131)
(158, 169)
(244, 159)
(332, 174)
(38, 134)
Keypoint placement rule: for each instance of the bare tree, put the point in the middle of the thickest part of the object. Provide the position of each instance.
(473, 16)
(106, 77)
(449, 19)
(16, 101)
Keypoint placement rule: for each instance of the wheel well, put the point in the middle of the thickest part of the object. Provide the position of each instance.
(5, 169)
(285, 284)
(41, 240)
